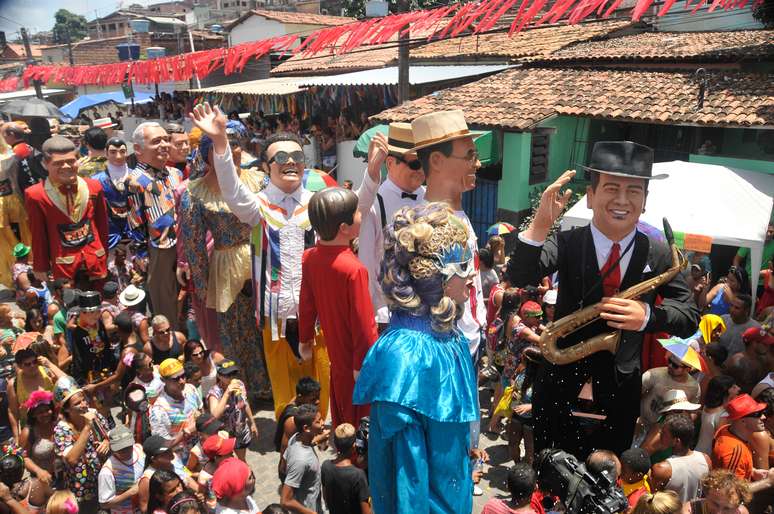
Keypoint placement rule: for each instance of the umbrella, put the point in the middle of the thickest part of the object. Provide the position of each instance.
(315, 180)
(499, 229)
(32, 107)
(24, 340)
(361, 146)
(651, 231)
(683, 351)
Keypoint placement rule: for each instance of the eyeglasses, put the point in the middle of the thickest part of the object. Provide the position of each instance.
(200, 353)
(673, 364)
(283, 158)
(414, 165)
(471, 157)
(179, 378)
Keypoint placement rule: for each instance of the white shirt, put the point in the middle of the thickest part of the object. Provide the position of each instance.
(117, 174)
(371, 245)
(474, 317)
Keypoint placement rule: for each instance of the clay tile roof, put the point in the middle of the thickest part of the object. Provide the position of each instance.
(535, 42)
(518, 99)
(301, 18)
(671, 46)
(528, 43)
(18, 49)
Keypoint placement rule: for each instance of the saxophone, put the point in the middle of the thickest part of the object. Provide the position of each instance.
(607, 341)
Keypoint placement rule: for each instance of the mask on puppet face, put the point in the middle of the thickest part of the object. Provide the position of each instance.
(457, 259)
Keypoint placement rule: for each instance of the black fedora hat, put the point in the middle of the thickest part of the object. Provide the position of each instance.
(623, 159)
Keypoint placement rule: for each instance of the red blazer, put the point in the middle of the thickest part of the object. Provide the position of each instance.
(62, 246)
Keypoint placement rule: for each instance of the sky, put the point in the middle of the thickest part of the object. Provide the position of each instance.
(38, 15)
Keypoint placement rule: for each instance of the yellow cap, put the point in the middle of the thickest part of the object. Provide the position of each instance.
(170, 368)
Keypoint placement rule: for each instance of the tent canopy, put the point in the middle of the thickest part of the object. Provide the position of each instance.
(74, 108)
(730, 206)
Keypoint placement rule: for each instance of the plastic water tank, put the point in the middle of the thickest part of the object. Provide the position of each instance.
(140, 25)
(216, 28)
(128, 51)
(154, 52)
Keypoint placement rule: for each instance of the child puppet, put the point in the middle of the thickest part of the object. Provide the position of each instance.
(334, 290)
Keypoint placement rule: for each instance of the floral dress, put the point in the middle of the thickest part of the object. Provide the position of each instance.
(81, 478)
(514, 346)
(220, 277)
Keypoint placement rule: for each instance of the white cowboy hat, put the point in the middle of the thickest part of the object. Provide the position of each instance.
(132, 295)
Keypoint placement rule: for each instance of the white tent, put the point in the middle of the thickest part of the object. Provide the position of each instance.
(732, 206)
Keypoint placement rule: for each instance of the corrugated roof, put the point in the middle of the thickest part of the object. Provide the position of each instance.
(29, 93)
(270, 86)
(299, 18)
(520, 98)
(389, 76)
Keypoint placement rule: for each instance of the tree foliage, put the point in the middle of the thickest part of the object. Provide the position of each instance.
(66, 22)
(764, 13)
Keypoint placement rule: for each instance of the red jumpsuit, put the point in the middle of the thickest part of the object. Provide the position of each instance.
(334, 289)
(63, 242)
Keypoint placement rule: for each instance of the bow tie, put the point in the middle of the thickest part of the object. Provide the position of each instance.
(67, 189)
(408, 195)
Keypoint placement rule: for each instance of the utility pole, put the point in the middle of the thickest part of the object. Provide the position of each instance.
(30, 60)
(193, 49)
(403, 57)
(69, 46)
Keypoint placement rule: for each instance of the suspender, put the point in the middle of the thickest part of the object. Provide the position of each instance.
(382, 214)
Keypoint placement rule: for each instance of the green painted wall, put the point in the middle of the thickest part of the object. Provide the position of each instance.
(733, 162)
(513, 190)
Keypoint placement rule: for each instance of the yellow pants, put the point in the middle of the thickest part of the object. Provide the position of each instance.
(11, 211)
(285, 371)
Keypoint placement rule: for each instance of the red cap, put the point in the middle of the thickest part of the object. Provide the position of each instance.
(22, 150)
(757, 335)
(230, 478)
(530, 308)
(743, 405)
(218, 445)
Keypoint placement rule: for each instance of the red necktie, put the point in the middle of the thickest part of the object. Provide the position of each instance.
(612, 278)
(68, 191)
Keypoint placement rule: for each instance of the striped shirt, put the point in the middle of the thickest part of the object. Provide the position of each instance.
(168, 416)
(731, 453)
(117, 476)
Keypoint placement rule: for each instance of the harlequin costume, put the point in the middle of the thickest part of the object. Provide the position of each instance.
(69, 228)
(281, 232)
(12, 216)
(334, 289)
(117, 199)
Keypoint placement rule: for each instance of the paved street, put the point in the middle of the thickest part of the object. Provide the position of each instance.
(263, 460)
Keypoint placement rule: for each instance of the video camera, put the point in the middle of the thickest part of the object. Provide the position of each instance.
(582, 492)
(361, 436)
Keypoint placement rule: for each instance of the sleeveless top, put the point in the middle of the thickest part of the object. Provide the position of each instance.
(687, 472)
(43, 452)
(709, 425)
(208, 381)
(175, 351)
(25, 502)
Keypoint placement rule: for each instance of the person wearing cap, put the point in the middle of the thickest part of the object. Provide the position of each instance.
(68, 218)
(95, 160)
(227, 401)
(206, 425)
(81, 441)
(549, 305)
(21, 253)
(117, 480)
(93, 358)
(174, 412)
(234, 484)
(402, 187)
(159, 456)
(113, 181)
(732, 449)
(673, 401)
(221, 277)
(152, 208)
(216, 448)
(684, 470)
(280, 213)
(620, 173)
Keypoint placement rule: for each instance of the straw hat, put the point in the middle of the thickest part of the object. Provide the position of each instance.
(65, 388)
(400, 138)
(676, 399)
(439, 127)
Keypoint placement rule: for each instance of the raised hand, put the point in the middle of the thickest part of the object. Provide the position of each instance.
(377, 154)
(552, 204)
(209, 119)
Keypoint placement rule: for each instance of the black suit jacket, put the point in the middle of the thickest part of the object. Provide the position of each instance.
(572, 254)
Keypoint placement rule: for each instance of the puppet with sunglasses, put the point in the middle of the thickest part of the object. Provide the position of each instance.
(279, 219)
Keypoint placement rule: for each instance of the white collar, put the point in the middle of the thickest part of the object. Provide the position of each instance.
(273, 192)
(117, 173)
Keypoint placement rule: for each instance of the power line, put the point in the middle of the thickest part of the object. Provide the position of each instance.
(12, 21)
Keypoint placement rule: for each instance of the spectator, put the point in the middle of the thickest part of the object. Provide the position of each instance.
(216, 449)
(635, 465)
(166, 343)
(301, 488)
(724, 492)
(31, 376)
(737, 321)
(146, 375)
(119, 476)
(62, 502)
(657, 382)
(521, 485)
(31, 492)
(721, 390)
(732, 450)
(158, 457)
(683, 471)
(227, 401)
(95, 140)
(163, 486)
(233, 484)
(138, 412)
(665, 502)
(345, 487)
(718, 300)
(184, 503)
(37, 438)
(549, 305)
(307, 393)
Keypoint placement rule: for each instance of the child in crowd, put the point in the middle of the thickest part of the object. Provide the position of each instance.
(345, 487)
(635, 464)
(521, 485)
(22, 254)
(301, 488)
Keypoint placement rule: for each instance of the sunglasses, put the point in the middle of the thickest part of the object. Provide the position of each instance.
(180, 378)
(161, 332)
(673, 364)
(414, 165)
(758, 414)
(283, 158)
(197, 354)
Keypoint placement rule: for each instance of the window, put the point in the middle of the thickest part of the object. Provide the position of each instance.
(111, 26)
(538, 162)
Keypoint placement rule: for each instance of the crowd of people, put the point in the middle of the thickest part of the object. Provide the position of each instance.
(152, 298)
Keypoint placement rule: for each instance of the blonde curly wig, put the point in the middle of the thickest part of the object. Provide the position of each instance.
(410, 275)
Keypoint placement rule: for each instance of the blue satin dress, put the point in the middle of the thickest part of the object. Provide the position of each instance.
(422, 390)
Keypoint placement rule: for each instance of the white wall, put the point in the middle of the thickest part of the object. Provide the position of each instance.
(255, 28)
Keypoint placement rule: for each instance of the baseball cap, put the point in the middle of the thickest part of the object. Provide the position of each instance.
(155, 445)
(170, 368)
(227, 367)
(757, 335)
(743, 405)
(230, 478)
(120, 438)
(218, 445)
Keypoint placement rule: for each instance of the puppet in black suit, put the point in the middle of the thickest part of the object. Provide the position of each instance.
(620, 172)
